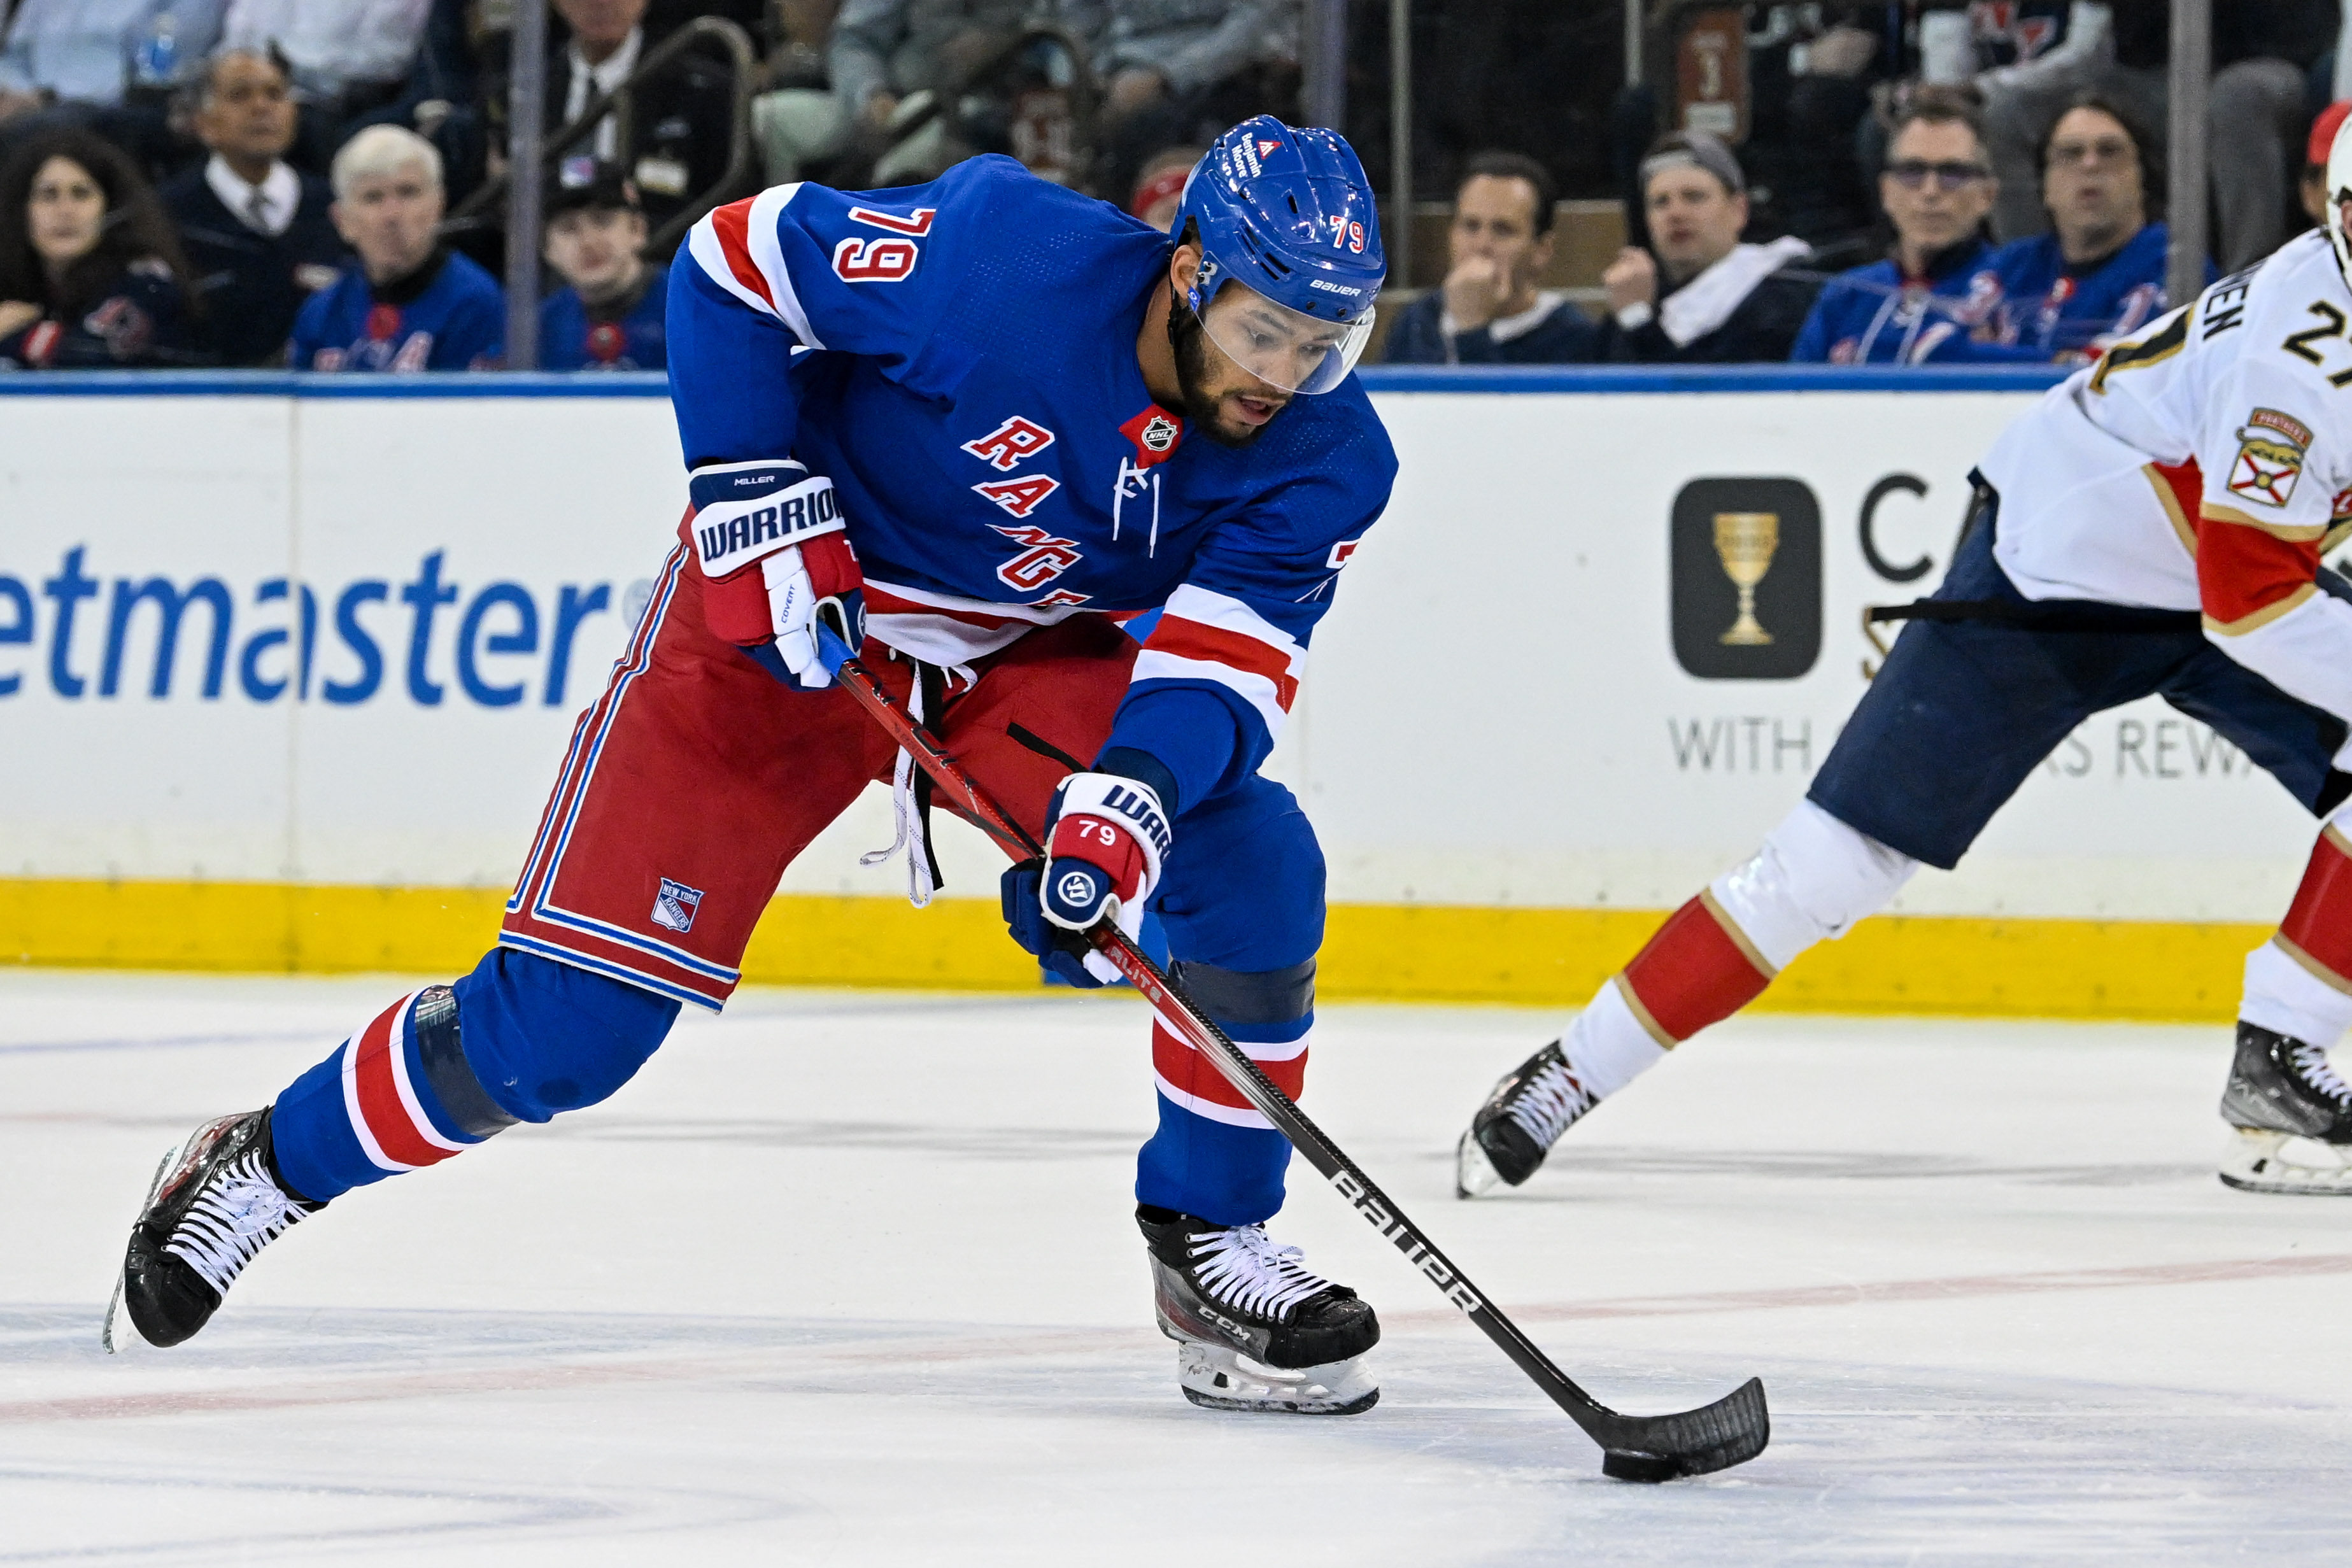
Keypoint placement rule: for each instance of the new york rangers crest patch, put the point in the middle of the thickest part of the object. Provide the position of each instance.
(2271, 448)
(675, 904)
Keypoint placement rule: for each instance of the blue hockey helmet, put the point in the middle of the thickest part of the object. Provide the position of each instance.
(1288, 214)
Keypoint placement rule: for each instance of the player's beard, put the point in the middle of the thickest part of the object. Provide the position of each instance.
(1189, 341)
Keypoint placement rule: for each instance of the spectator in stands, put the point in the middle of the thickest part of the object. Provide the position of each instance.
(348, 57)
(1160, 186)
(1703, 297)
(2313, 187)
(410, 304)
(681, 124)
(1914, 306)
(68, 63)
(2256, 105)
(608, 315)
(2099, 273)
(883, 53)
(1179, 71)
(258, 238)
(90, 276)
(1490, 310)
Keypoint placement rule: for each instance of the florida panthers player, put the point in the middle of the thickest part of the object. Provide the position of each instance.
(972, 421)
(2201, 465)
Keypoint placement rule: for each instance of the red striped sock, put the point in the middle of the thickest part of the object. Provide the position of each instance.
(2317, 930)
(1698, 969)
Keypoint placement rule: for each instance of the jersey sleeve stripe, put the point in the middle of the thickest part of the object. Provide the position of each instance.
(1208, 607)
(767, 256)
(718, 247)
(2248, 578)
(1178, 639)
(2296, 531)
(1255, 690)
(2255, 620)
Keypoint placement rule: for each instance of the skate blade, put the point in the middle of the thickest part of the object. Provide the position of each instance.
(2255, 1160)
(1216, 1378)
(1474, 1174)
(121, 1336)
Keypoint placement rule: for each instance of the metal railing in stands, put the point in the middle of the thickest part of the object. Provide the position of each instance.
(478, 211)
(1084, 94)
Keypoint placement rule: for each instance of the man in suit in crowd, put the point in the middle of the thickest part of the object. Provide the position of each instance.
(258, 238)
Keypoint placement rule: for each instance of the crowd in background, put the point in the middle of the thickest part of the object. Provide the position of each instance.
(1982, 182)
(319, 182)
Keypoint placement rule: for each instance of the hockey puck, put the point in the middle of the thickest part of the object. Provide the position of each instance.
(1629, 1465)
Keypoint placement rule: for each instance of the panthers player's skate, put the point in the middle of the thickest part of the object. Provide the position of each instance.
(2290, 1117)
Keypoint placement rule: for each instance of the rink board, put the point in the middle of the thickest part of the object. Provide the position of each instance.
(1523, 735)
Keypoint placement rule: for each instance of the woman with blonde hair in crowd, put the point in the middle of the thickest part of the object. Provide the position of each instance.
(90, 272)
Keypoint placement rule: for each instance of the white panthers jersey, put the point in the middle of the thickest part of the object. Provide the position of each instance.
(2203, 462)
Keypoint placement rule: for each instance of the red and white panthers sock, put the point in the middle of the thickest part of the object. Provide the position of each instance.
(2299, 983)
(1813, 878)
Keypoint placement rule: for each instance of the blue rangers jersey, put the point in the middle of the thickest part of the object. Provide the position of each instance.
(571, 337)
(2044, 308)
(959, 358)
(1874, 315)
(449, 317)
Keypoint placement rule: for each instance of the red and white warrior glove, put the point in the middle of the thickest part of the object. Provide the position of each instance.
(771, 542)
(1105, 839)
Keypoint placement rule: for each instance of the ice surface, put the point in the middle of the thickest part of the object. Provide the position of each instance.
(851, 1280)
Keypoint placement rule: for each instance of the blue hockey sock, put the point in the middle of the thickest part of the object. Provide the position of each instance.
(520, 1039)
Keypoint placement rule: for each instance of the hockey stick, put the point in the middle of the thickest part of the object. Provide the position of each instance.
(1634, 1448)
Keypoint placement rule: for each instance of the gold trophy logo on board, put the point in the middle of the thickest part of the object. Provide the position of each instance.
(1744, 542)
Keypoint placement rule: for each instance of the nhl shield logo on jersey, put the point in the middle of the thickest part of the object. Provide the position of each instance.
(675, 904)
(2271, 447)
(1156, 433)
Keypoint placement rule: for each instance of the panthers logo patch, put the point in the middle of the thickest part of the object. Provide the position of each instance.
(2271, 448)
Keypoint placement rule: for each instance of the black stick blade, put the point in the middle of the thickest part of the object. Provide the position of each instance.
(1731, 1431)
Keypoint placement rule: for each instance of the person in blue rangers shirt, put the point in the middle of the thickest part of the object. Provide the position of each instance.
(1919, 304)
(411, 304)
(609, 315)
(2098, 274)
(995, 416)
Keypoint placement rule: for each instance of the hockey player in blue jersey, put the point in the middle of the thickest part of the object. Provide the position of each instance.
(971, 423)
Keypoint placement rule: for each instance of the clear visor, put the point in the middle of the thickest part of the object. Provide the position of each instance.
(1281, 347)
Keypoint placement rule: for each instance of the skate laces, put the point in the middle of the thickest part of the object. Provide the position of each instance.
(1243, 1267)
(2311, 1064)
(1548, 1101)
(238, 1213)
